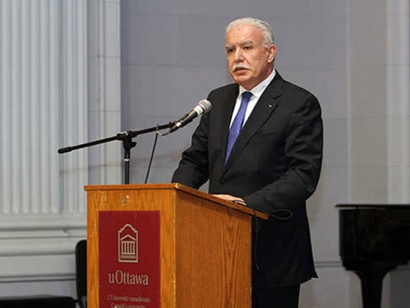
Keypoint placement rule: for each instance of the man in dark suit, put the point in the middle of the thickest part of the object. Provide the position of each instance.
(272, 165)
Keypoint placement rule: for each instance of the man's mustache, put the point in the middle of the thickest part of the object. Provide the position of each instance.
(239, 66)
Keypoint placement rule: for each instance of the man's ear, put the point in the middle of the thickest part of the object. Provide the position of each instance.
(271, 53)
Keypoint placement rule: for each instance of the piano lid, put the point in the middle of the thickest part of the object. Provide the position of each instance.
(374, 232)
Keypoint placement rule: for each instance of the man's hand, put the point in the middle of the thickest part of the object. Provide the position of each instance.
(231, 198)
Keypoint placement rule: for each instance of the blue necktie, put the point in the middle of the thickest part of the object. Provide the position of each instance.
(237, 123)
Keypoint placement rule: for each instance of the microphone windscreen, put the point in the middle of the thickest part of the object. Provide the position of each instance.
(205, 105)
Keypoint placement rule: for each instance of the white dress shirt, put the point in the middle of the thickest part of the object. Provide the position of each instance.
(256, 94)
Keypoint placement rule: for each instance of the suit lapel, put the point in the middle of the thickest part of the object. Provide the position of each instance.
(260, 114)
(228, 106)
(227, 110)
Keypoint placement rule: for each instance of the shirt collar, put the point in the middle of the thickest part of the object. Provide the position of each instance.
(258, 90)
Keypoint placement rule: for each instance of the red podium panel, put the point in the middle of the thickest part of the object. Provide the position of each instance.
(129, 262)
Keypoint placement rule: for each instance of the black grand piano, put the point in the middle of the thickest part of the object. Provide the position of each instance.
(374, 239)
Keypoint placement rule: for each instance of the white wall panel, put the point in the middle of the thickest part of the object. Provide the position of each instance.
(43, 82)
(44, 106)
(46, 102)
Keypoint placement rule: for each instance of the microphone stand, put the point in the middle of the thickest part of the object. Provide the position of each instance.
(127, 142)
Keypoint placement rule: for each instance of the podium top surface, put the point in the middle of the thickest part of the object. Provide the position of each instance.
(178, 187)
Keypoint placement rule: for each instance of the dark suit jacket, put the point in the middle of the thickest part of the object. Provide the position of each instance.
(274, 166)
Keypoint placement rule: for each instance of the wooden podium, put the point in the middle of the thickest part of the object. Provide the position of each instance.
(167, 246)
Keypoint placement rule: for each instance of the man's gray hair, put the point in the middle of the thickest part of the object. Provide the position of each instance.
(266, 29)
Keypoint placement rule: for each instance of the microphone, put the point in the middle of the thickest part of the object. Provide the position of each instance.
(203, 106)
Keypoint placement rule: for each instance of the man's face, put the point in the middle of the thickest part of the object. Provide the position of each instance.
(249, 61)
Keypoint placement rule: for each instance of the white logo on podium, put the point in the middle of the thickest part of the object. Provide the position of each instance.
(128, 244)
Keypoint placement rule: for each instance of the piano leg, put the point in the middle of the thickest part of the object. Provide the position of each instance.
(371, 277)
(372, 285)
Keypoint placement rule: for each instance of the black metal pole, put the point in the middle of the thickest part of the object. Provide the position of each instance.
(128, 144)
